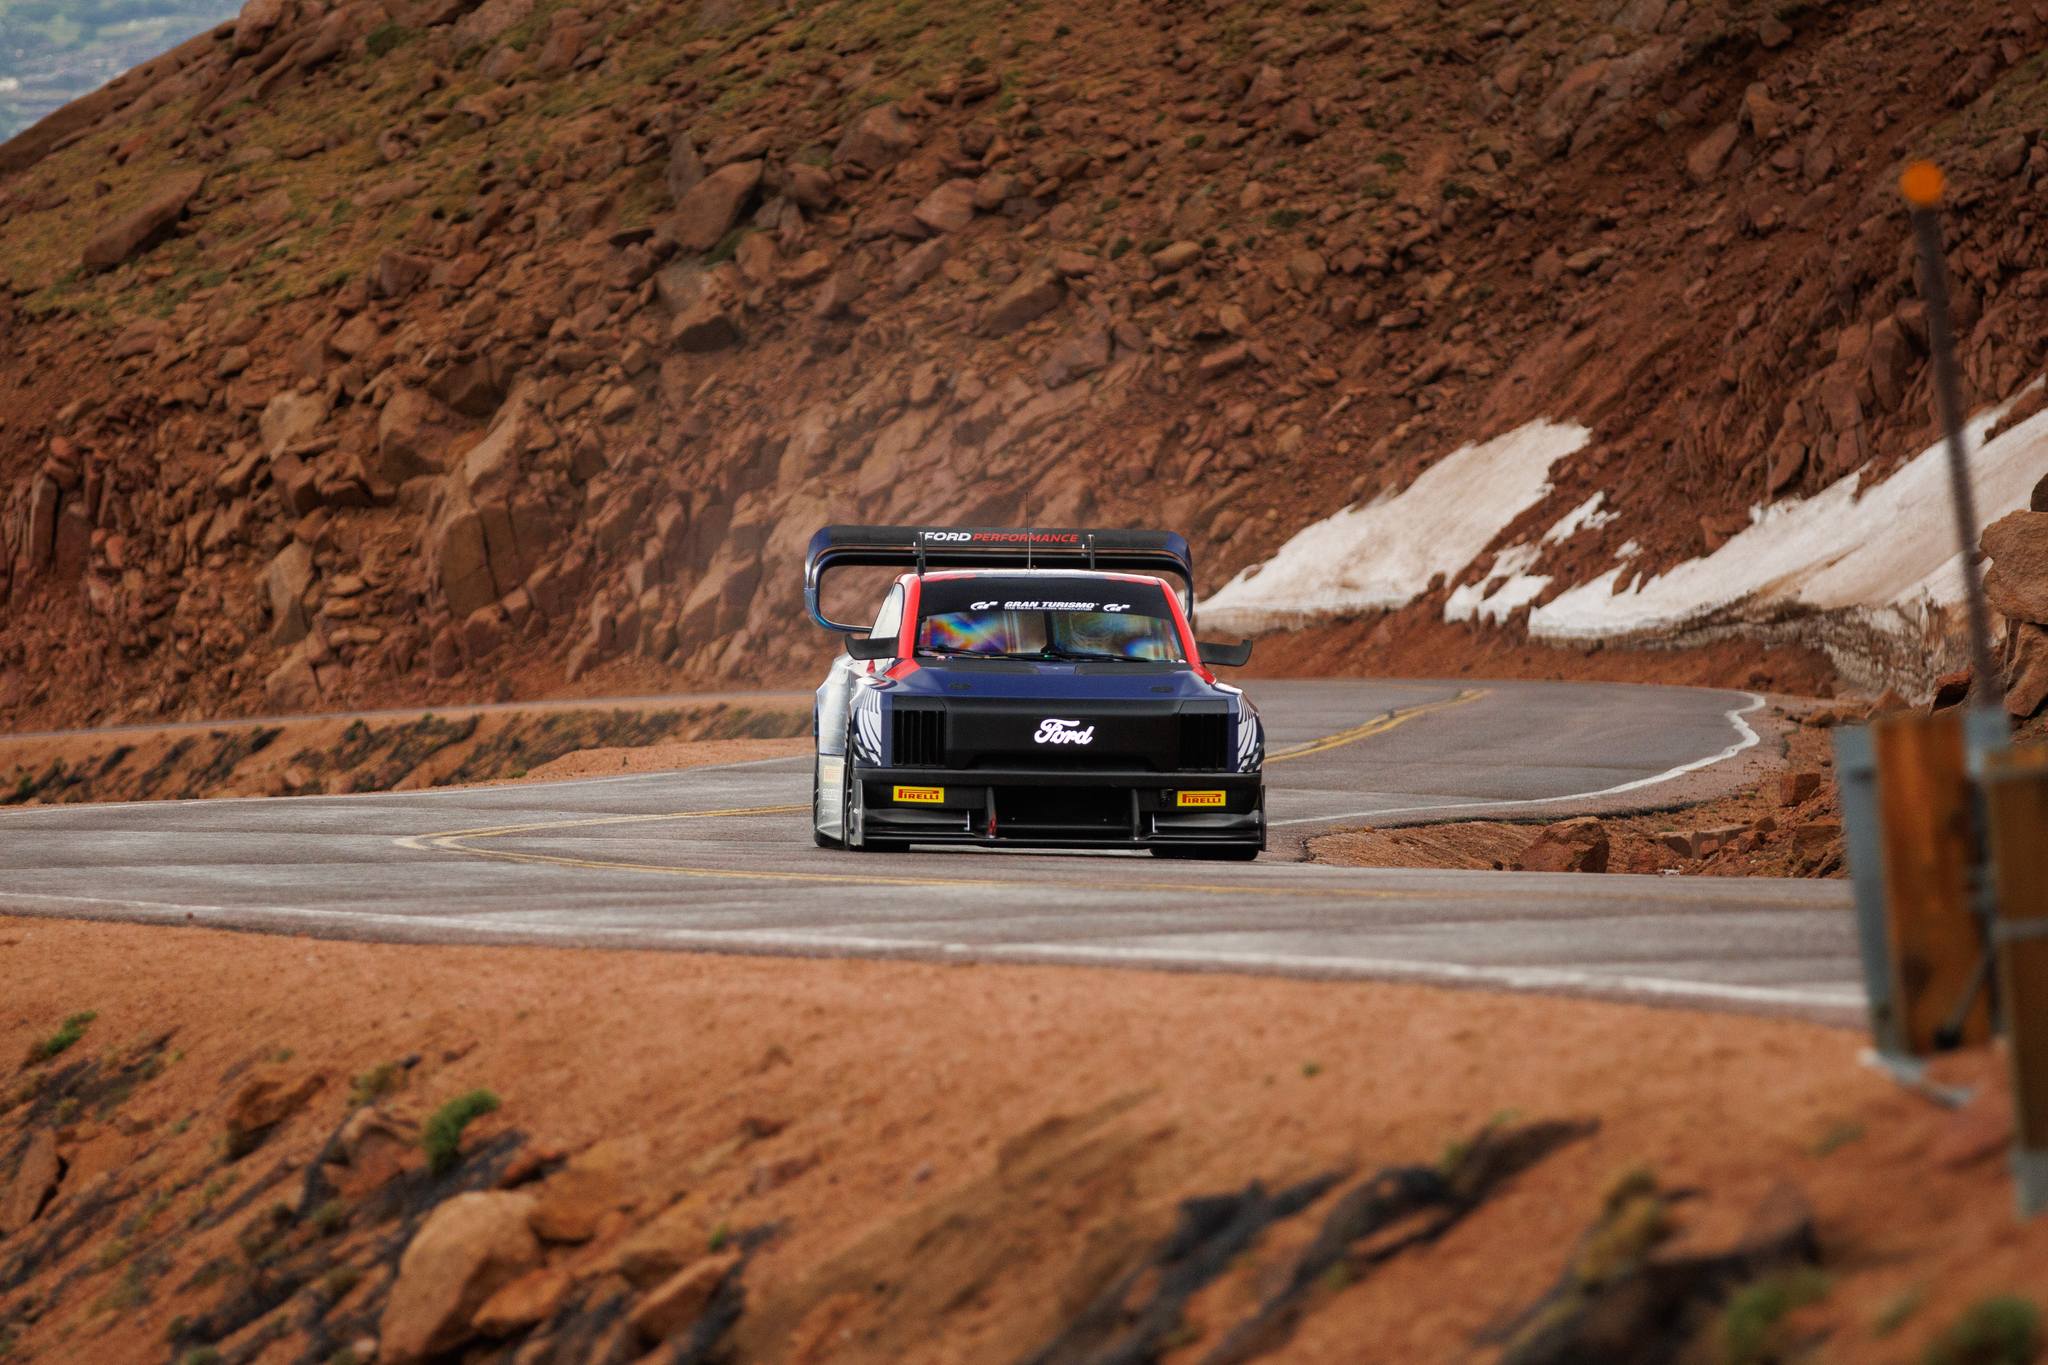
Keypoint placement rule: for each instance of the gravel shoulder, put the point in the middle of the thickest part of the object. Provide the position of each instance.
(924, 1163)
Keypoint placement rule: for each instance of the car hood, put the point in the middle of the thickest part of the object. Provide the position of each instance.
(1051, 680)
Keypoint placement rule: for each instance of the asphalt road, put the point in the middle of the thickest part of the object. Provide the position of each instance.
(720, 859)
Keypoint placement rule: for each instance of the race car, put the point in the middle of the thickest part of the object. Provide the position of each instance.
(1024, 687)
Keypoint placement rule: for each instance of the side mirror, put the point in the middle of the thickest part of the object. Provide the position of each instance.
(871, 647)
(1225, 656)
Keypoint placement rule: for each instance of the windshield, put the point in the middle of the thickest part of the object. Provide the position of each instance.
(1047, 618)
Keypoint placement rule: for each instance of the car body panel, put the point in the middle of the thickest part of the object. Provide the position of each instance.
(1043, 749)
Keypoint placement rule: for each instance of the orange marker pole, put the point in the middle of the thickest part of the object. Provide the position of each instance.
(1924, 187)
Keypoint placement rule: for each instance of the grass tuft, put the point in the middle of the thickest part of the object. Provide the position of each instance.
(387, 38)
(1749, 1324)
(68, 1033)
(2004, 1330)
(374, 1084)
(442, 1137)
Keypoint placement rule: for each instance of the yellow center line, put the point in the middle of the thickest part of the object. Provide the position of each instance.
(1378, 725)
(458, 840)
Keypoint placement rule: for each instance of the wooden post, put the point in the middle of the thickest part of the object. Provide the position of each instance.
(2016, 790)
(1925, 811)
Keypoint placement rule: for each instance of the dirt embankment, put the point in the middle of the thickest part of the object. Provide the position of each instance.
(1789, 825)
(381, 349)
(314, 756)
(216, 1147)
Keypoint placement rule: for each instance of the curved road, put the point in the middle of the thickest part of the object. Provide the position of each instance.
(720, 859)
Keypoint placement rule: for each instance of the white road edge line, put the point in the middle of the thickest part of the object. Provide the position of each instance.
(1531, 979)
(472, 789)
(1747, 738)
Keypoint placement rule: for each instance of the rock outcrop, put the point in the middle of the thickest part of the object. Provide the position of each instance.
(145, 225)
(2016, 581)
(469, 1249)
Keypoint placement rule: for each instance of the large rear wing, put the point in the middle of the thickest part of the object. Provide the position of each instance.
(990, 547)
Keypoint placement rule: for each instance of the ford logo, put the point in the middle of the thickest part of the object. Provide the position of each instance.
(1063, 732)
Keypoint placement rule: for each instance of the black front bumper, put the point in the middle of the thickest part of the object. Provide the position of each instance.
(1096, 808)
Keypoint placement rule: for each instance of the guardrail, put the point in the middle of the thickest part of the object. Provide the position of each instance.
(1947, 827)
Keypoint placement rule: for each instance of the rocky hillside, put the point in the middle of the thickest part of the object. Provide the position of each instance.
(394, 348)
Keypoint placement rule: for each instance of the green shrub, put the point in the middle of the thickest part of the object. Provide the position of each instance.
(387, 38)
(442, 1137)
(69, 1032)
(374, 1084)
(1749, 1323)
(2005, 1330)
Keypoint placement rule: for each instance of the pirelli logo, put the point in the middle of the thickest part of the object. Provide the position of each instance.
(1197, 799)
(920, 796)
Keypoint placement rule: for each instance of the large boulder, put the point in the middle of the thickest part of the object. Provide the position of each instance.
(265, 1101)
(464, 560)
(144, 226)
(257, 21)
(406, 436)
(285, 582)
(679, 1301)
(2026, 686)
(34, 1181)
(490, 21)
(2017, 582)
(1570, 846)
(468, 1249)
(662, 1247)
(1035, 294)
(949, 208)
(289, 418)
(685, 170)
(707, 325)
(879, 137)
(572, 1203)
(712, 207)
(44, 498)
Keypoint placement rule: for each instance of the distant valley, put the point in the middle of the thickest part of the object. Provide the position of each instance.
(53, 51)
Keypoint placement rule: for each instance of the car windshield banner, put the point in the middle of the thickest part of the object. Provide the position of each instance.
(1047, 617)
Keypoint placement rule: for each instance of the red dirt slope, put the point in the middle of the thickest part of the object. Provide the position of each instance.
(372, 347)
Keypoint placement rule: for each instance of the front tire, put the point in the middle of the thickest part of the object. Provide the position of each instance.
(818, 834)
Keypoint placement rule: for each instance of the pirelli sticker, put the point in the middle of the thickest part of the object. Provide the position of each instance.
(920, 796)
(1186, 800)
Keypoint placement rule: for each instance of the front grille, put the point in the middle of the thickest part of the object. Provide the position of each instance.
(1204, 740)
(1078, 811)
(918, 737)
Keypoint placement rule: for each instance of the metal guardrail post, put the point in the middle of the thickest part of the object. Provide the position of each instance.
(2016, 797)
(1856, 776)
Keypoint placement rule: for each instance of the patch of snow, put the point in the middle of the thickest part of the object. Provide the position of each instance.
(1889, 551)
(1512, 583)
(1384, 555)
(1515, 585)
(1587, 516)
